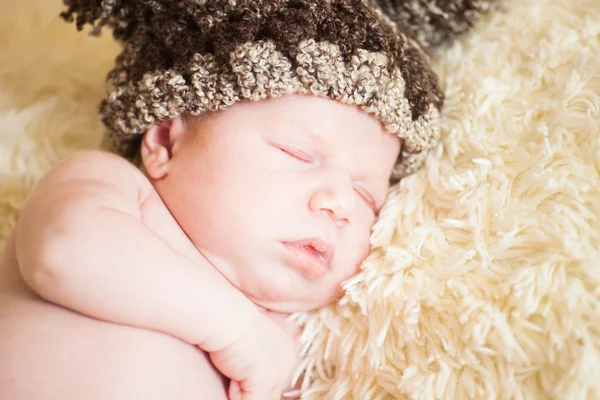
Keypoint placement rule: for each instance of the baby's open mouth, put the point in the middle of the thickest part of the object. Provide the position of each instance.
(311, 256)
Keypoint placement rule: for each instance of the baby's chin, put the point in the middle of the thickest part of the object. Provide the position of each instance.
(294, 303)
(286, 307)
(288, 292)
(283, 292)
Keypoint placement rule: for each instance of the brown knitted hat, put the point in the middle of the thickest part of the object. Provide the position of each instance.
(193, 56)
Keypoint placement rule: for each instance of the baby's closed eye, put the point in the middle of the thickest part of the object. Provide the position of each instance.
(295, 153)
(366, 196)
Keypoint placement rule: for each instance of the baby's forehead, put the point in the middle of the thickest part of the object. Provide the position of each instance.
(328, 125)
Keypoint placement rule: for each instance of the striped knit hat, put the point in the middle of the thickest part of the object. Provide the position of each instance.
(193, 56)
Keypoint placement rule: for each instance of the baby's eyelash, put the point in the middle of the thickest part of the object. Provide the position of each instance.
(296, 154)
(368, 198)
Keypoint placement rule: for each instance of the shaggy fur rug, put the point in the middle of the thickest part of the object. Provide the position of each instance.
(484, 280)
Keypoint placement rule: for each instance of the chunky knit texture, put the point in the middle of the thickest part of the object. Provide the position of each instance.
(484, 279)
(436, 22)
(190, 57)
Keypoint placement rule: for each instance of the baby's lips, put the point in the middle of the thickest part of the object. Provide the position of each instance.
(308, 261)
(323, 249)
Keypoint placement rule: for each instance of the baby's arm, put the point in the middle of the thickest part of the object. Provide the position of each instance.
(81, 244)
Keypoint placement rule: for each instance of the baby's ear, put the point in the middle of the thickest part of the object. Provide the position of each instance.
(157, 146)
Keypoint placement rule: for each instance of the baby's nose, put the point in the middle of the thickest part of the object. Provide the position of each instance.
(336, 198)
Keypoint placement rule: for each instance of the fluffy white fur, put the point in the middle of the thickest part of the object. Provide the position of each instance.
(484, 281)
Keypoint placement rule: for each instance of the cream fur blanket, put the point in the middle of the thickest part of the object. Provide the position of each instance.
(484, 281)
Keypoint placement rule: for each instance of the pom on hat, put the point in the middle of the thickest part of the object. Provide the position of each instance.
(432, 23)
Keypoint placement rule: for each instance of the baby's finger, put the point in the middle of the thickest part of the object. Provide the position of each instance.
(238, 392)
(249, 391)
(235, 391)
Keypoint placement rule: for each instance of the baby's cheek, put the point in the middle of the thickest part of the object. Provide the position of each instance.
(280, 286)
(357, 246)
(350, 263)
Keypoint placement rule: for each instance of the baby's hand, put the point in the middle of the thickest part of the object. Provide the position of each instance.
(260, 363)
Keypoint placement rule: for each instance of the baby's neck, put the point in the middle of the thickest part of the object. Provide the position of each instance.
(199, 258)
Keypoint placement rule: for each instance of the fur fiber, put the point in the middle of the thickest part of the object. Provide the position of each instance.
(484, 280)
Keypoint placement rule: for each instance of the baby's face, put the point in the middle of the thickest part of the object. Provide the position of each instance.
(280, 195)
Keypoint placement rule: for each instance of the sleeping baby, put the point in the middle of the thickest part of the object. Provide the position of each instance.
(252, 145)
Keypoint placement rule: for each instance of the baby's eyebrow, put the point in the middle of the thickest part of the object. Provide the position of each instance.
(324, 144)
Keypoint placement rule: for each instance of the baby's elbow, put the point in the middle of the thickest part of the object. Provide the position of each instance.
(43, 266)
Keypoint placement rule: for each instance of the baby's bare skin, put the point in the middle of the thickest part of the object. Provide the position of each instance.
(50, 352)
(254, 209)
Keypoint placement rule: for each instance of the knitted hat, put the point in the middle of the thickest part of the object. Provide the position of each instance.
(193, 56)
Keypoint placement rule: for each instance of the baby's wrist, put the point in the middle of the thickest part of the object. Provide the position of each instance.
(241, 316)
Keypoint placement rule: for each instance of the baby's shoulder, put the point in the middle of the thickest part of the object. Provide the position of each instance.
(94, 173)
(97, 165)
(92, 161)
